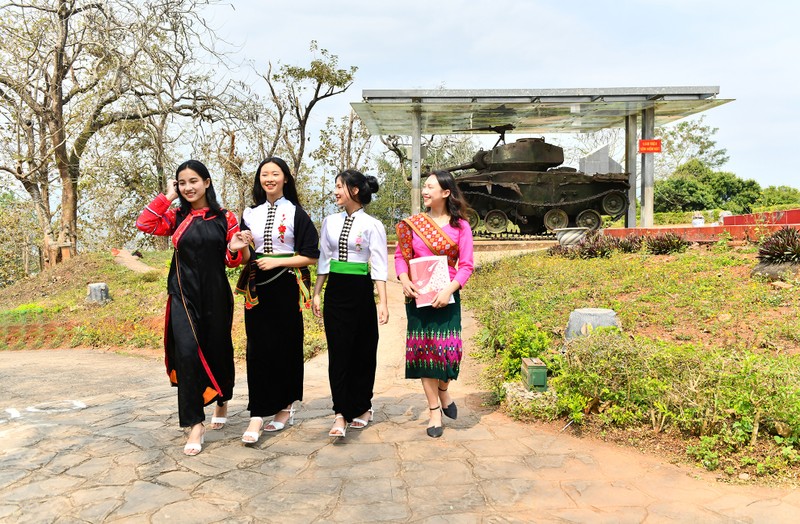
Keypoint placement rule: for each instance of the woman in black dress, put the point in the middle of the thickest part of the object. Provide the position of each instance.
(276, 288)
(197, 338)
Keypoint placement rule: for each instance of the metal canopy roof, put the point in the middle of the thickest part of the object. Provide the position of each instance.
(450, 111)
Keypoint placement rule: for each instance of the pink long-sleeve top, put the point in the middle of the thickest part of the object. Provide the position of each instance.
(466, 260)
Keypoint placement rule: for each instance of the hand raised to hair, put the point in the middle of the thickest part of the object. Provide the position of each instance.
(172, 190)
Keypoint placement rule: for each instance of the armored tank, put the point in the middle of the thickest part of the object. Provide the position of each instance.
(521, 184)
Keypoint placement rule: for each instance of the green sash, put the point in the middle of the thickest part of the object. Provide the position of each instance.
(349, 268)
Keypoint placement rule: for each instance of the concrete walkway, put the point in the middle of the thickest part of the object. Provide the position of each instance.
(90, 436)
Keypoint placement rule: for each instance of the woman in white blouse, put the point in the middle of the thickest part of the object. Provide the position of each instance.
(276, 285)
(353, 255)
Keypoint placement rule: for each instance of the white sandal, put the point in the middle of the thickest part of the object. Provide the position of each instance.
(253, 435)
(219, 420)
(193, 448)
(337, 431)
(361, 422)
(274, 425)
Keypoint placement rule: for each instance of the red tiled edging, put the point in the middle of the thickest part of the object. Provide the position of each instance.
(750, 227)
(788, 217)
(703, 233)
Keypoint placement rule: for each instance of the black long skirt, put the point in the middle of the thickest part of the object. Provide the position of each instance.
(274, 346)
(351, 329)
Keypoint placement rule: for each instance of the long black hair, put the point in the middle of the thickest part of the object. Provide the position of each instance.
(211, 195)
(367, 185)
(455, 204)
(289, 187)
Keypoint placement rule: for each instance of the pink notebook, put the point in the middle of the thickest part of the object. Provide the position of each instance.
(430, 275)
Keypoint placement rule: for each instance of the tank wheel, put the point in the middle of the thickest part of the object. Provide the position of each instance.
(614, 203)
(555, 219)
(589, 218)
(473, 218)
(496, 221)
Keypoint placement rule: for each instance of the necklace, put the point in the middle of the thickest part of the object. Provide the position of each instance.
(441, 220)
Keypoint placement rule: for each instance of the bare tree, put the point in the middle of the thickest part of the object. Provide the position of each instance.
(342, 146)
(275, 123)
(71, 68)
(288, 87)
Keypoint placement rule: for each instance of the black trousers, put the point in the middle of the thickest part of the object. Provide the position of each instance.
(351, 329)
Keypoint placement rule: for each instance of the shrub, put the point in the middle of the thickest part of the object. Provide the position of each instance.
(595, 245)
(559, 251)
(525, 341)
(781, 246)
(666, 243)
(630, 244)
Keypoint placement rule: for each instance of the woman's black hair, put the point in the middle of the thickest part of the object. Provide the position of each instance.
(211, 195)
(367, 185)
(289, 187)
(455, 203)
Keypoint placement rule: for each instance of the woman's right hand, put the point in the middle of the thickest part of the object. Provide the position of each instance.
(409, 289)
(316, 306)
(172, 190)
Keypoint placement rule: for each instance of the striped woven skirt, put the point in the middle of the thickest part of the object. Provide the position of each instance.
(433, 341)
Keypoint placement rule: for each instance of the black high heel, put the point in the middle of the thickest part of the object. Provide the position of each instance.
(435, 431)
(450, 411)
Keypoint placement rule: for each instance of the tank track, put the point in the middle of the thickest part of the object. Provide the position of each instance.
(535, 236)
(542, 204)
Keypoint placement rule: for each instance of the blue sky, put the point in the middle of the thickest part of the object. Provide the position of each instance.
(747, 49)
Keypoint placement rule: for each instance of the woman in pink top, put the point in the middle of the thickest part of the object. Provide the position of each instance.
(433, 335)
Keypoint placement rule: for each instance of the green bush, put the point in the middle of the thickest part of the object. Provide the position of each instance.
(527, 341)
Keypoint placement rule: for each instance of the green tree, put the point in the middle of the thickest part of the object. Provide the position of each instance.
(687, 140)
(775, 196)
(694, 186)
(393, 201)
(731, 192)
(681, 194)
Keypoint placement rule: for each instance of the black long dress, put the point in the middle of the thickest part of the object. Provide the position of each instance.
(197, 334)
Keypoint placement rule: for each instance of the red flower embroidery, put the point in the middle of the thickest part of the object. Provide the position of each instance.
(282, 229)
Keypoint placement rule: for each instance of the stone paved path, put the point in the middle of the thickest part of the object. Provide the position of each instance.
(91, 436)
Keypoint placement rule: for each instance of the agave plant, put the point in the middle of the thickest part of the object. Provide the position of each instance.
(781, 246)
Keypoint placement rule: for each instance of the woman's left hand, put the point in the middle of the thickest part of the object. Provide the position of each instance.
(442, 299)
(383, 314)
(267, 263)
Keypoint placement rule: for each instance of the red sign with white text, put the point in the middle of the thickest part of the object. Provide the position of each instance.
(650, 146)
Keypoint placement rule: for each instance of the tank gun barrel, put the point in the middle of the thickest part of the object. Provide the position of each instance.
(461, 167)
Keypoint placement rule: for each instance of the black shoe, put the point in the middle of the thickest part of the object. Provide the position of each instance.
(451, 411)
(435, 431)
